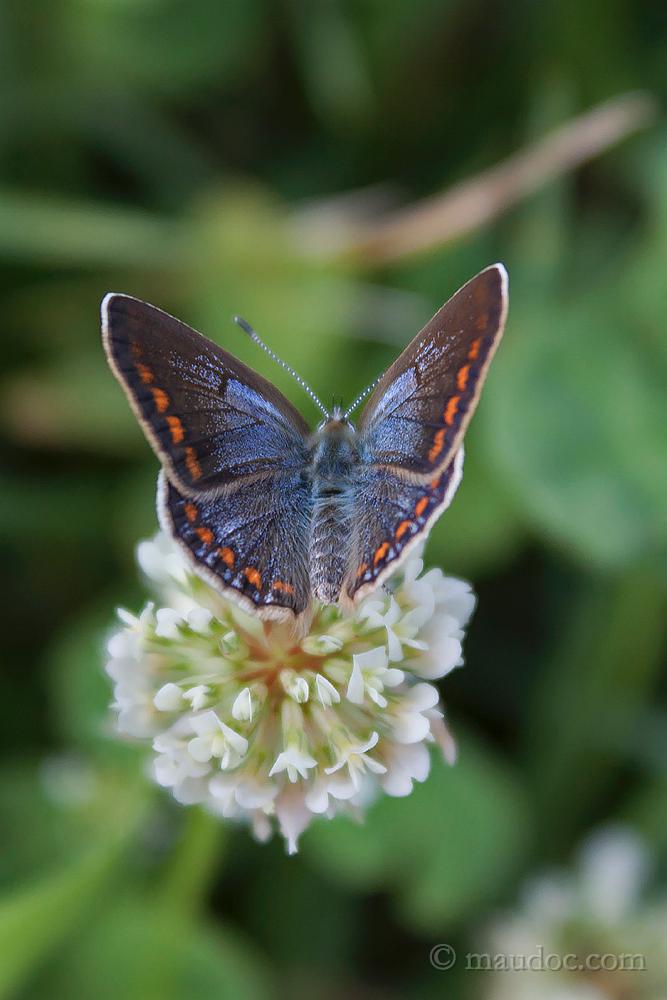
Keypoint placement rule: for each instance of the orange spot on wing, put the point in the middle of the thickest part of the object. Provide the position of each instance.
(191, 463)
(433, 485)
(161, 399)
(402, 528)
(421, 506)
(450, 410)
(380, 553)
(253, 576)
(145, 374)
(227, 556)
(462, 377)
(474, 349)
(287, 588)
(436, 447)
(205, 534)
(176, 429)
(362, 569)
(482, 321)
(190, 512)
(135, 349)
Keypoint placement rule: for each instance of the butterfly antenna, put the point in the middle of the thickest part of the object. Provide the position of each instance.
(361, 397)
(283, 364)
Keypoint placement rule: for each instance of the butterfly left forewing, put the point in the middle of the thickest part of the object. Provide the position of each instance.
(212, 421)
(417, 415)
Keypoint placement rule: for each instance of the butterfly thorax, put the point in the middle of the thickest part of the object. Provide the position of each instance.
(331, 473)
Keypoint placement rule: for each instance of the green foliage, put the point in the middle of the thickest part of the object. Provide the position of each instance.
(583, 455)
(38, 917)
(448, 853)
(36, 920)
(137, 951)
(201, 155)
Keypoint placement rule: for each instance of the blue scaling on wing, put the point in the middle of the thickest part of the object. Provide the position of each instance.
(210, 418)
(419, 411)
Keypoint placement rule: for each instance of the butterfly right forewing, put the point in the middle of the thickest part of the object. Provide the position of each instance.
(417, 415)
(412, 428)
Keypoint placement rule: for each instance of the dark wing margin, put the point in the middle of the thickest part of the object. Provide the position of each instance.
(392, 517)
(249, 545)
(417, 415)
(211, 420)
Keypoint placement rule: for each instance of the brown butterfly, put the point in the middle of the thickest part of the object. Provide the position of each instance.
(272, 513)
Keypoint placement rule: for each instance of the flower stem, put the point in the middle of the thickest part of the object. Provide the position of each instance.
(187, 878)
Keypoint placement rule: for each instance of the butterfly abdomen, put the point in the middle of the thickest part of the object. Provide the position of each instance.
(328, 550)
(334, 460)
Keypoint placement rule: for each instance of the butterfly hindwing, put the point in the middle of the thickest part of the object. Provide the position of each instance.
(419, 411)
(250, 544)
(210, 418)
(391, 516)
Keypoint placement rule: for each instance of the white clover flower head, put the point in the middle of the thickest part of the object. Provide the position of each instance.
(604, 910)
(257, 725)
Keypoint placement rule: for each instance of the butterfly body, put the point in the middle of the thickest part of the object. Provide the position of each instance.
(335, 458)
(275, 515)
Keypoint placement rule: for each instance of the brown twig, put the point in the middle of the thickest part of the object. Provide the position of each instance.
(473, 203)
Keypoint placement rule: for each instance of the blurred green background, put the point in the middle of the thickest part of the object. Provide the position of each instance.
(261, 158)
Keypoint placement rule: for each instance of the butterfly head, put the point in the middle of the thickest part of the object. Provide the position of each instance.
(335, 450)
(336, 424)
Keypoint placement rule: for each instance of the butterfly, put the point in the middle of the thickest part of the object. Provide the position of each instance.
(276, 515)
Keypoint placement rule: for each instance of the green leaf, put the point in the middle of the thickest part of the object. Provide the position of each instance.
(299, 898)
(36, 919)
(590, 699)
(444, 851)
(166, 48)
(70, 513)
(44, 408)
(138, 951)
(646, 808)
(481, 531)
(332, 62)
(52, 231)
(574, 423)
(51, 811)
